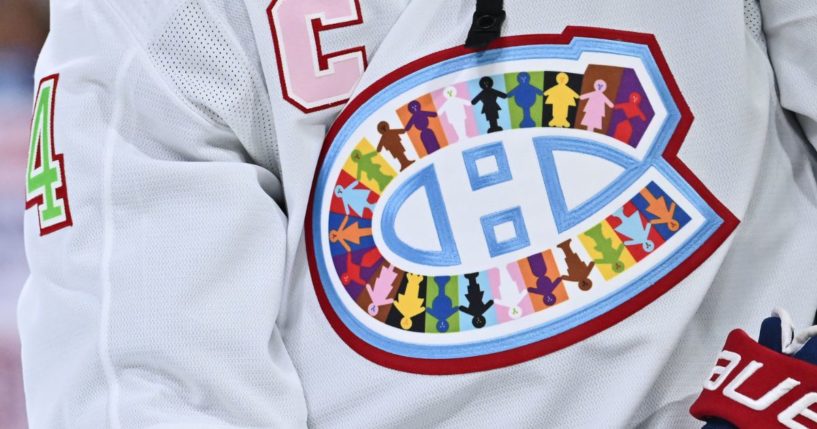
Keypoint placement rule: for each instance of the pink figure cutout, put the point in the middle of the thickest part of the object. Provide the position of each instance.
(596, 108)
(631, 109)
(382, 288)
(454, 109)
(510, 292)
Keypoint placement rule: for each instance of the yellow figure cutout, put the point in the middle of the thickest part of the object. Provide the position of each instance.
(409, 303)
(562, 98)
(658, 207)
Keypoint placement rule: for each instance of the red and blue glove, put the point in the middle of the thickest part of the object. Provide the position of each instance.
(771, 383)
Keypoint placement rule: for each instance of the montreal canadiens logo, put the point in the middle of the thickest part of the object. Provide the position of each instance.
(476, 210)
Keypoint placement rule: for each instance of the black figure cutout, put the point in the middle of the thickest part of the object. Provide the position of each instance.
(476, 308)
(490, 107)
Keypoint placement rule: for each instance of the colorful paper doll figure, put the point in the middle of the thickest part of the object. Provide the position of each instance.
(562, 98)
(631, 109)
(420, 120)
(577, 270)
(409, 303)
(383, 286)
(390, 140)
(454, 110)
(476, 308)
(365, 164)
(352, 273)
(353, 270)
(525, 95)
(443, 307)
(658, 208)
(507, 282)
(355, 199)
(635, 229)
(596, 108)
(490, 107)
(544, 285)
(609, 255)
(346, 234)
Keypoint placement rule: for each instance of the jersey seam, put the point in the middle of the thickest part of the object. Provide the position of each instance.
(106, 359)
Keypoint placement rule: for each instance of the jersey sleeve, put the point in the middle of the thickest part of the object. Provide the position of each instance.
(791, 33)
(156, 305)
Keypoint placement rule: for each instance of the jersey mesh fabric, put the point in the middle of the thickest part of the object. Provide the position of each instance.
(168, 377)
(638, 372)
(58, 311)
(790, 27)
(215, 67)
(753, 20)
(163, 302)
(157, 307)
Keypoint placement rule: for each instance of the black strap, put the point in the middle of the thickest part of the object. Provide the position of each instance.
(486, 25)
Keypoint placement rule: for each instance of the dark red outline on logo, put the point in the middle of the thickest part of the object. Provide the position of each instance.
(323, 59)
(587, 329)
(62, 191)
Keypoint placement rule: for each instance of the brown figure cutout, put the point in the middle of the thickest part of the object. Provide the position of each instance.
(390, 140)
(577, 270)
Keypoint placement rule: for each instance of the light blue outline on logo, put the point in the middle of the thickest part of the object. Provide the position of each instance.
(564, 218)
(501, 175)
(557, 326)
(448, 254)
(491, 221)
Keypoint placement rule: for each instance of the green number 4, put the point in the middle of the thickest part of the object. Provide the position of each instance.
(45, 174)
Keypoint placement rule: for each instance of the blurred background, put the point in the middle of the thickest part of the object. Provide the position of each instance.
(23, 28)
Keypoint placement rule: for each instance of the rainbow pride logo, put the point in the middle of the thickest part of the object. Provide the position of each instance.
(476, 210)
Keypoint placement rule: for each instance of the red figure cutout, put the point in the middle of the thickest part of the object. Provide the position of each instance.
(352, 273)
(631, 109)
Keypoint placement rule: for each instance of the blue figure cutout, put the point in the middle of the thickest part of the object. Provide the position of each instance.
(633, 227)
(443, 307)
(356, 199)
(525, 97)
(544, 285)
(490, 107)
(419, 119)
(476, 307)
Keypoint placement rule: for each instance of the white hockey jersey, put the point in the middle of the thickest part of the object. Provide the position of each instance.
(326, 213)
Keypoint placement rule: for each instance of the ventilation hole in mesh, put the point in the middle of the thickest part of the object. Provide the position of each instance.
(214, 75)
(752, 18)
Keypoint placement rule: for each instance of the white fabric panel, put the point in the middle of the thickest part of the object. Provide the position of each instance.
(157, 308)
(791, 29)
(181, 296)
